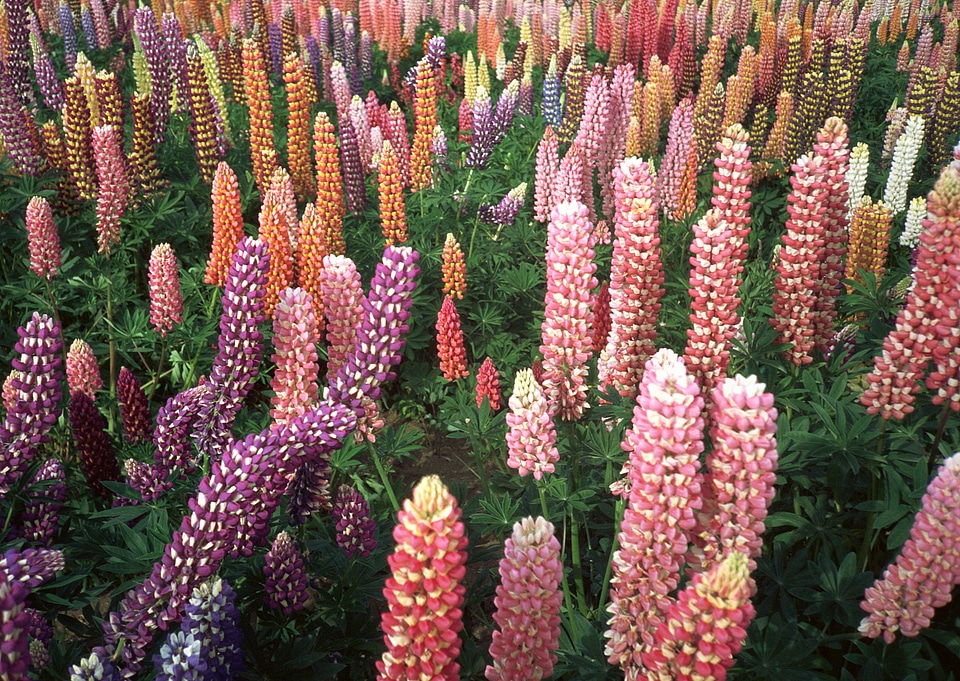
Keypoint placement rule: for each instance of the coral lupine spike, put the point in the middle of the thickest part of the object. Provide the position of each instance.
(926, 328)
(566, 342)
(424, 594)
(453, 268)
(450, 348)
(528, 604)
(257, 91)
(166, 302)
(488, 384)
(927, 569)
(227, 224)
(42, 239)
(295, 336)
(311, 250)
(664, 446)
(83, 374)
(298, 126)
(275, 233)
(636, 283)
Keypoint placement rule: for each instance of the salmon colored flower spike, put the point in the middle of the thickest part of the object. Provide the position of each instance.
(424, 594)
(83, 374)
(453, 355)
(42, 239)
(488, 384)
(166, 303)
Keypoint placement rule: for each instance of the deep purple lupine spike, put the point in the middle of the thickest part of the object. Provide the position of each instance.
(18, 127)
(336, 34)
(481, 145)
(50, 89)
(134, 412)
(17, 62)
(382, 333)
(308, 491)
(15, 653)
(230, 513)
(97, 458)
(37, 387)
(352, 167)
(313, 54)
(240, 346)
(275, 38)
(356, 530)
(31, 567)
(38, 523)
(69, 32)
(154, 51)
(285, 580)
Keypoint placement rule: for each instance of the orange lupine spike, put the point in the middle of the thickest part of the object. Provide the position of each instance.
(330, 207)
(311, 250)
(298, 125)
(424, 121)
(257, 89)
(275, 232)
(393, 220)
(227, 224)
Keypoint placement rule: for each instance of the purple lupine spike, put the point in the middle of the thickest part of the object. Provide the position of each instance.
(336, 34)
(356, 530)
(69, 32)
(38, 524)
(95, 667)
(382, 333)
(313, 55)
(37, 387)
(436, 51)
(97, 457)
(240, 346)
(350, 55)
(438, 146)
(505, 212)
(213, 617)
(481, 145)
(179, 658)
(17, 63)
(177, 54)
(18, 127)
(308, 491)
(31, 567)
(134, 412)
(285, 580)
(275, 38)
(366, 55)
(39, 628)
(323, 27)
(158, 64)
(231, 511)
(50, 90)
(89, 28)
(15, 653)
(352, 166)
(505, 112)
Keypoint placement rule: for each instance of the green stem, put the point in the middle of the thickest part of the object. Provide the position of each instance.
(113, 346)
(621, 505)
(567, 600)
(543, 502)
(158, 372)
(481, 471)
(473, 235)
(935, 447)
(383, 476)
(577, 566)
(869, 539)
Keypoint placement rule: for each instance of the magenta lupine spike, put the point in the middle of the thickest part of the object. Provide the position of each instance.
(679, 139)
(664, 446)
(114, 187)
(97, 458)
(528, 604)
(488, 384)
(739, 486)
(548, 167)
(285, 580)
(928, 567)
(83, 374)
(531, 436)
(31, 567)
(240, 346)
(707, 625)
(424, 594)
(247, 481)
(166, 302)
(42, 239)
(147, 29)
(342, 295)
(20, 572)
(356, 191)
(356, 530)
(38, 524)
(295, 336)
(18, 128)
(38, 394)
(566, 343)
(636, 278)
(134, 412)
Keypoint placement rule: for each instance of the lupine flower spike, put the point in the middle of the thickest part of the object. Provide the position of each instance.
(83, 374)
(227, 224)
(114, 189)
(285, 578)
(453, 355)
(356, 530)
(134, 412)
(295, 336)
(42, 239)
(453, 268)
(531, 436)
(424, 594)
(166, 303)
(488, 384)
(528, 604)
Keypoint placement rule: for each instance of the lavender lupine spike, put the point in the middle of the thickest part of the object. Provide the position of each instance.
(89, 29)
(147, 31)
(505, 111)
(38, 523)
(38, 391)
(177, 54)
(551, 108)
(179, 658)
(381, 335)
(505, 212)
(231, 510)
(240, 346)
(356, 530)
(438, 146)
(96, 667)
(212, 616)
(275, 38)
(285, 580)
(482, 141)
(350, 56)
(69, 32)
(50, 89)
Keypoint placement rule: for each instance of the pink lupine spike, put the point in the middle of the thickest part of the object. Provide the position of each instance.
(42, 239)
(547, 170)
(488, 384)
(166, 303)
(531, 436)
(450, 348)
(342, 294)
(114, 191)
(568, 316)
(295, 335)
(83, 374)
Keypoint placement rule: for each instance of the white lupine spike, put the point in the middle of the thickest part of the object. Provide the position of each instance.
(901, 170)
(913, 226)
